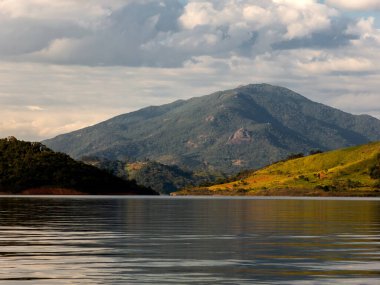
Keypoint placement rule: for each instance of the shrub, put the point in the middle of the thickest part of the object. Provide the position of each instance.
(374, 171)
(312, 152)
(294, 156)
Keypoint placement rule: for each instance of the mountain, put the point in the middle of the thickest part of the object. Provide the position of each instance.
(353, 171)
(247, 127)
(32, 168)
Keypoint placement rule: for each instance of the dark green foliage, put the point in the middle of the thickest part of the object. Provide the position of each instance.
(353, 184)
(326, 188)
(239, 176)
(303, 177)
(374, 171)
(114, 167)
(244, 128)
(293, 156)
(344, 184)
(312, 152)
(162, 178)
(26, 165)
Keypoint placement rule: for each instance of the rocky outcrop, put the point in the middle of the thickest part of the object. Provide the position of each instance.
(240, 136)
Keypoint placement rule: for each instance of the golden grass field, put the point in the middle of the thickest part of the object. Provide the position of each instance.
(342, 172)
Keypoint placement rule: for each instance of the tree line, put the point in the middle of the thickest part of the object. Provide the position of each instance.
(26, 165)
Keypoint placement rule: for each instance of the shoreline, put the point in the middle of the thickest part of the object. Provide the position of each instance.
(279, 192)
(52, 191)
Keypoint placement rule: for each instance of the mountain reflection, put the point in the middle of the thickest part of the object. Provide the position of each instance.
(182, 241)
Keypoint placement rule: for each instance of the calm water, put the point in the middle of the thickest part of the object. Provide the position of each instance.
(188, 241)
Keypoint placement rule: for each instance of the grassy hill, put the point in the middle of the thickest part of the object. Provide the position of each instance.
(227, 131)
(32, 168)
(352, 171)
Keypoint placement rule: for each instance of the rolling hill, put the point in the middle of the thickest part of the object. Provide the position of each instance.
(32, 168)
(227, 131)
(353, 171)
(162, 178)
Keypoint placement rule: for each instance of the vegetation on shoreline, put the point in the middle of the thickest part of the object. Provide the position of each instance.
(162, 178)
(32, 168)
(353, 171)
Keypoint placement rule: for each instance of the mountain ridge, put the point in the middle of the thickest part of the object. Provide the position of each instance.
(246, 127)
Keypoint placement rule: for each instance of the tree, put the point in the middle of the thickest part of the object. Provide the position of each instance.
(374, 170)
(26, 165)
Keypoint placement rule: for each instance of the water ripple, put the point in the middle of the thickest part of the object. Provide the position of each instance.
(189, 241)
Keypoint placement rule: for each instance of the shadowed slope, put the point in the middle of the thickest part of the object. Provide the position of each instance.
(247, 127)
(32, 168)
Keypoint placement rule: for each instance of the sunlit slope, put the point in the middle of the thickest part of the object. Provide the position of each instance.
(345, 170)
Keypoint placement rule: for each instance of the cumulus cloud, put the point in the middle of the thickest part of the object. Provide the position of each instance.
(66, 64)
(159, 33)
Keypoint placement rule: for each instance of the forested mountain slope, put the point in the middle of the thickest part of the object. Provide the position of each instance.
(247, 127)
(32, 168)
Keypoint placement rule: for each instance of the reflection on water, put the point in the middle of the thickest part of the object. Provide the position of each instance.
(188, 241)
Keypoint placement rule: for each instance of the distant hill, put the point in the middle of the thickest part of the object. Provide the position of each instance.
(32, 168)
(162, 178)
(353, 171)
(247, 127)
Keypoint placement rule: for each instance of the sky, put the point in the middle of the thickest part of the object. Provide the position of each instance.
(68, 64)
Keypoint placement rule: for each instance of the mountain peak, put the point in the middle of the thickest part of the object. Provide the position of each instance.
(255, 123)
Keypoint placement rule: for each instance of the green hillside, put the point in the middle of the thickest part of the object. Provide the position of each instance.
(227, 131)
(32, 168)
(353, 171)
(162, 178)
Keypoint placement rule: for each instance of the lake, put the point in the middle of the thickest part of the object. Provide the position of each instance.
(181, 240)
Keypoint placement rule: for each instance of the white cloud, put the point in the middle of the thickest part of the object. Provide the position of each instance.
(70, 10)
(197, 14)
(65, 64)
(366, 31)
(34, 108)
(328, 64)
(355, 4)
(303, 17)
(151, 33)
